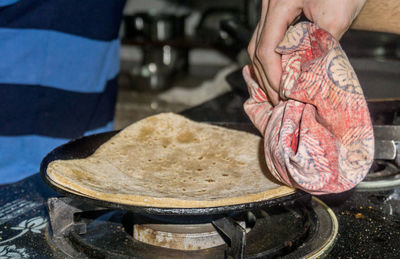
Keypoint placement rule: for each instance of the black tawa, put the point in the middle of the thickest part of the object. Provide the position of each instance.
(85, 146)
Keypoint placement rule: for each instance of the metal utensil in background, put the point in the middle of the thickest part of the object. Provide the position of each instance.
(161, 60)
(387, 143)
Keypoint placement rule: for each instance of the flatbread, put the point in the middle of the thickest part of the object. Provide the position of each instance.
(169, 161)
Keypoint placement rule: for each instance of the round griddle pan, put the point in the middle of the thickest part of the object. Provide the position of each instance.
(85, 146)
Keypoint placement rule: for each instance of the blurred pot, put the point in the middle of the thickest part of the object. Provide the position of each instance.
(160, 61)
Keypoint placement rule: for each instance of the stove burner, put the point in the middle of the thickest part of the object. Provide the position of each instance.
(186, 233)
(381, 170)
(382, 175)
(305, 228)
(181, 237)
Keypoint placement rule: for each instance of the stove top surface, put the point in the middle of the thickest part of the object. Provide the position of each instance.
(369, 222)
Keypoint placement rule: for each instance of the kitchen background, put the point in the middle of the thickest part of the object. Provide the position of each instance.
(176, 55)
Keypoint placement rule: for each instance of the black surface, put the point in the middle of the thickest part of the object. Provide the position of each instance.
(357, 43)
(237, 83)
(227, 107)
(369, 225)
(34, 191)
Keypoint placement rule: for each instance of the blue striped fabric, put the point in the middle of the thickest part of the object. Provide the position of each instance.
(21, 157)
(81, 64)
(47, 111)
(58, 76)
(94, 19)
(7, 2)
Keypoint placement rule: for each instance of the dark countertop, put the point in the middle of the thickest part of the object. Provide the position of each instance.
(369, 225)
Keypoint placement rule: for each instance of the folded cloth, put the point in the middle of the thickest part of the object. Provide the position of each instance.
(320, 137)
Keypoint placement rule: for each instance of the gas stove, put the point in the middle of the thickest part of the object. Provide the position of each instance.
(303, 228)
(79, 227)
(36, 222)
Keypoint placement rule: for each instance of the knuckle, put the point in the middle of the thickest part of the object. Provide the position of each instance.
(336, 24)
(250, 50)
(261, 54)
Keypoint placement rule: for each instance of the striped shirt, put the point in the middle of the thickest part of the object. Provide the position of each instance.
(58, 76)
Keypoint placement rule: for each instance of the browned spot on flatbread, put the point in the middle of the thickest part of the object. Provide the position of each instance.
(186, 137)
(165, 142)
(80, 176)
(145, 133)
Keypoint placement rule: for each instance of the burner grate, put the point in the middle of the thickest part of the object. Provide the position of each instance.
(276, 231)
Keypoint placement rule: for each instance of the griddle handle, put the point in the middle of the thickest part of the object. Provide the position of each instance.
(235, 233)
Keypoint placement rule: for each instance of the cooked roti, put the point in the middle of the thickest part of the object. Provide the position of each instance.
(169, 161)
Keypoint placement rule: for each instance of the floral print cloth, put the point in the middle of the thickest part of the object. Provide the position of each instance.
(319, 138)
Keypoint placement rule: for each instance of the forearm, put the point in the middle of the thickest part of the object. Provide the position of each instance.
(379, 15)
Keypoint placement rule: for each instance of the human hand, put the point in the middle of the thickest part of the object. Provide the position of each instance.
(334, 16)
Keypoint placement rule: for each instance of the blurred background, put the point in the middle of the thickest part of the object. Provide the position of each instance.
(176, 55)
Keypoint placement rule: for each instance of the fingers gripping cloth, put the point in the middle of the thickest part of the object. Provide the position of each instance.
(319, 138)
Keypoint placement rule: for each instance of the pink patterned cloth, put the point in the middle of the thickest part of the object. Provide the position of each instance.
(319, 138)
